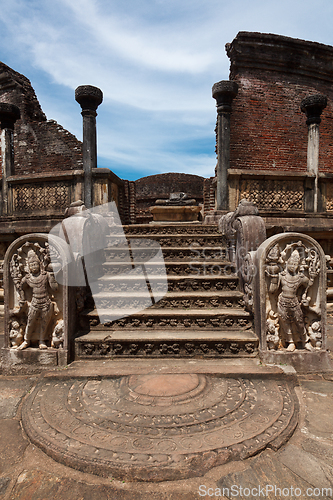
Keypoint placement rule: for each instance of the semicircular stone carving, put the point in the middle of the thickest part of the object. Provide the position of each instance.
(158, 426)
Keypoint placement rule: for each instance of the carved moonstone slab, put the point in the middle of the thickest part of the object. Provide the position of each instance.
(158, 427)
(290, 301)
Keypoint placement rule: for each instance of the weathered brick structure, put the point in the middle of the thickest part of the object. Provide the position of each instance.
(274, 73)
(41, 145)
(41, 170)
(275, 79)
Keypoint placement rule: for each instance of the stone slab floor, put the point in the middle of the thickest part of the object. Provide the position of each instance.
(302, 468)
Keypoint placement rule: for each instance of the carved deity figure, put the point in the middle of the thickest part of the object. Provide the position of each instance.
(40, 311)
(291, 319)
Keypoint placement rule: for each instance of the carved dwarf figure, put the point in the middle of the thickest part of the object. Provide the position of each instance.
(315, 336)
(289, 306)
(40, 308)
(272, 329)
(16, 335)
(58, 335)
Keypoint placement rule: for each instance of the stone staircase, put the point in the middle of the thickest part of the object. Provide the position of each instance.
(202, 313)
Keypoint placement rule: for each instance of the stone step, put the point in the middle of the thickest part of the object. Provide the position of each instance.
(159, 343)
(193, 299)
(172, 240)
(150, 318)
(121, 254)
(170, 229)
(181, 283)
(175, 267)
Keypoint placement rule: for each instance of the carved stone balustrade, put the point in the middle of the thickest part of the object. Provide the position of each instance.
(244, 231)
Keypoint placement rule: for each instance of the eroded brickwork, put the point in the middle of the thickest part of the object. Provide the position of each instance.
(40, 145)
(274, 74)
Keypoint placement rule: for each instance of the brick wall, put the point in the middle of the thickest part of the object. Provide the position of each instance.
(274, 74)
(39, 145)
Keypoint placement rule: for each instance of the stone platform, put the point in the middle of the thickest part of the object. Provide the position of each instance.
(159, 426)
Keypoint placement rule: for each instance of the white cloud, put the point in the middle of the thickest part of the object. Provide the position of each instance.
(164, 49)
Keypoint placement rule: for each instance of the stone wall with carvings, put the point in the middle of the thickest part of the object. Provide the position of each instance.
(274, 73)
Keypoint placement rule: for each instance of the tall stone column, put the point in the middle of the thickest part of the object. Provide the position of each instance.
(313, 106)
(89, 99)
(223, 92)
(9, 113)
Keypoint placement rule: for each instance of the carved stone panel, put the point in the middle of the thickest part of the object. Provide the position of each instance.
(273, 194)
(38, 197)
(290, 294)
(37, 302)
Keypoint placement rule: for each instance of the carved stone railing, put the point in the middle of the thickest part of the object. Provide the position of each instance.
(281, 191)
(42, 194)
(50, 193)
(244, 232)
(271, 191)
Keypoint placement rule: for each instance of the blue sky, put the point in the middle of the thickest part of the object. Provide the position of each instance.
(155, 61)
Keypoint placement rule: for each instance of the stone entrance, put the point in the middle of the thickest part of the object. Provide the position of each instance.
(155, 427)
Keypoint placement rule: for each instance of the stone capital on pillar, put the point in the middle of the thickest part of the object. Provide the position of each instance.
(313, 106)
(224, 92)
(89, 98)
(9, 113)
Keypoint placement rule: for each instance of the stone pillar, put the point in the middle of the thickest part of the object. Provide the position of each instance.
(89, 99)
(9, 113)
(313, 106)
(224, 92)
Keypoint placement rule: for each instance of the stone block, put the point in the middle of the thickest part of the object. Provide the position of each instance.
(175, 214)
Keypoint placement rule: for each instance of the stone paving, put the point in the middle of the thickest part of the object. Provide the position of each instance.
(301, 468)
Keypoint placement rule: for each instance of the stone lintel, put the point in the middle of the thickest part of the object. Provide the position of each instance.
(224, 92)
(313, 106)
